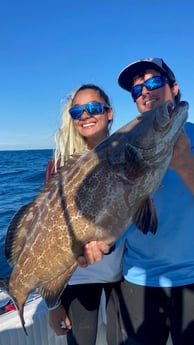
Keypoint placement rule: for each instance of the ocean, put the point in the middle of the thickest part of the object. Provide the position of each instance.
(22, 175)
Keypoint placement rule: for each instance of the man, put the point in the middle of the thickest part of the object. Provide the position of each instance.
(157, 293)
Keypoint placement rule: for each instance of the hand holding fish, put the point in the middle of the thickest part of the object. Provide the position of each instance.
(183, 161)
(58, 317)
(93, 251)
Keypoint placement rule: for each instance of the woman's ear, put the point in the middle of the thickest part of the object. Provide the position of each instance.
(110, 114)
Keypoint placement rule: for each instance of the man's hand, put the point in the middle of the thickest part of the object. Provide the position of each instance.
(59, 321)
(93, 251)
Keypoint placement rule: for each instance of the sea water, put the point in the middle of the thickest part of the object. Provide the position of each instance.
(22, 175)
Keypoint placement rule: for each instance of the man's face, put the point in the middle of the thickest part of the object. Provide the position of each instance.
(152, 99)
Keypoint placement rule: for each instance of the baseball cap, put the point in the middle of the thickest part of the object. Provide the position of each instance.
(125, 78)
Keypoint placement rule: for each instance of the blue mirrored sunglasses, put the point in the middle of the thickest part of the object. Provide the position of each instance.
(150, 84)
(91, 108)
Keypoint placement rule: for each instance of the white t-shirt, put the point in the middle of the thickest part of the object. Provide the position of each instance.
(106, 271)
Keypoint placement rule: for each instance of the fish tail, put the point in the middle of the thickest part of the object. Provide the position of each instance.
(4, 285)
(22, 319)
(20, 309)
(19, 302)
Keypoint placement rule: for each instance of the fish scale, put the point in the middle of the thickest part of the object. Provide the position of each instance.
(95, 196)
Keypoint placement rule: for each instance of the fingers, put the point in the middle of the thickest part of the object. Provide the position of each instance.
(82, 262)
(67, 322)
(93, 251)
(103, 247)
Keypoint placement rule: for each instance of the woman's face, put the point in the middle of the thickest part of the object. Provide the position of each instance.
(93, 128)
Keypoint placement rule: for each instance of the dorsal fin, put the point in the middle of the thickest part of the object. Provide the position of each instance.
(22, 220)
(15, 240)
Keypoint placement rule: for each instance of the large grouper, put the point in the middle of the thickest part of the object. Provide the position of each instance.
(96, 196)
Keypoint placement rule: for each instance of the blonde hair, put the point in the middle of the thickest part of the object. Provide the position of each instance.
(67, 139)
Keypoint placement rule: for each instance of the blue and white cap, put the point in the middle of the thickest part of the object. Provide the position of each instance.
(125, 78)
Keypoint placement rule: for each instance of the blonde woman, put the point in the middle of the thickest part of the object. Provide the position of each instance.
(86, 121)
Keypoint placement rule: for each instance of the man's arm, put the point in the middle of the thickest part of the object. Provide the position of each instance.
(183, 161)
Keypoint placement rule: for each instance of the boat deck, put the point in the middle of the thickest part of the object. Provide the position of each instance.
(37, 326)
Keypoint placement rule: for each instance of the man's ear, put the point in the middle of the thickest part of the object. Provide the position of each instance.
(175, 89)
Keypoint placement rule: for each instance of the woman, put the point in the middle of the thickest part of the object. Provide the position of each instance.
(86, 121)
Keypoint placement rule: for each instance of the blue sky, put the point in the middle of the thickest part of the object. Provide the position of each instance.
(48, 48)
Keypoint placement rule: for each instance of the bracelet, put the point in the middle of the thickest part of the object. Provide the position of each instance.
(55, 306)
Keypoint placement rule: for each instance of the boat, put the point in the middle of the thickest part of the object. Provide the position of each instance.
(37, 326)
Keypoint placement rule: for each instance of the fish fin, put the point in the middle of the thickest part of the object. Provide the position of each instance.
(129, 164)
(52, 290)
(24, 217)
(21, 315)
(20, 309)
(15, 240)
(4, 286)
(65, 168)
(146, 218)
(22, 321)
(72, 159)
(135, 163)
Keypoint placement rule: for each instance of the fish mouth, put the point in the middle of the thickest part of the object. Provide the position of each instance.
(170, 107)
(163, 124)
(165, 120)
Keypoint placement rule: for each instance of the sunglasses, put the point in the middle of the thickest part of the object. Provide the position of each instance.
(150, 84)
(91, 108)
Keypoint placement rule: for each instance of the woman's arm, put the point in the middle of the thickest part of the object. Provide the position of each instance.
(93, 251)
(57, 318)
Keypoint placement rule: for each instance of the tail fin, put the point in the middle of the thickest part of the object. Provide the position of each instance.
(4, 286)
(21, 311)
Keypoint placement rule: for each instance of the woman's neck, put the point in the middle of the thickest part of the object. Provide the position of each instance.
(92, 142)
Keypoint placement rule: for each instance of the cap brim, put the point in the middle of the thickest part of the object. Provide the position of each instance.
(125, 78)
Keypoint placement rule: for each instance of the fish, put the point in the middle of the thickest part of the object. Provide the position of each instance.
(97, 195)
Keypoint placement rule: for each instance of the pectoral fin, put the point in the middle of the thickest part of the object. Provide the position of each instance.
(146, 218)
